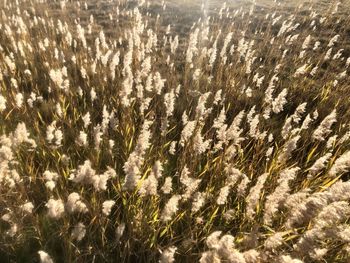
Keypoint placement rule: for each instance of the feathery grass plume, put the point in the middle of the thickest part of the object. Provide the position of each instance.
(220, 120)
(169, 102)
(50, 178)
(324, 129)
(275, 200)
(55, 208)
(86, 175)
(149, 185)
(289, 259)
(120, 231)
(332, 214)
(210, 257)
(223, 194)
(295, 200)
(83, 174)
(288, 148)
(79, 231)
(167, 186)
(308, 208)
(135, 160)
(158, 83)
(86, 119)
(201, 110)
(221, 248)
(251, 256)
(296, 117)
(333, 40)
(82, 139)
(187, 132)
(199, 199)
(174, 44)
(223, 53)
(200, 145)
(253, 197)
(44, 257)
(127, 84)
(168, 255)
(279, 102)
(314, 71)
(21, 135)
(157, 169)
(331, 141)
(191, 184)
(302, 70)
(274, 241)
(306, 42)
(27, 207)
(170, 208)
(234, 131)
(192, 46)
(308, 245)
(328, 54)
(306, 123)
(268, 99)
(74, 204)
(97, 134)
(319, 164)
(107, 207)
(213, 54)
(2, 103)
(341, 165)
(241, 189)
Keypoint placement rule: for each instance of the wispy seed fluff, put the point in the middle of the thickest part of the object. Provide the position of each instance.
(324, 128)
(341, 164)
(167, 186)
(280, 194)
(86, 120)
(332, 214)
(133, 165)
(107, 207)
(319, 164)
(44, 257)
(55, 208)
(170, 208)
(288, 148)
(192, 46)
(74, 204)
(79, 231)
(254, 195)
(221, 248)
(167, 256)
(149, 185)
(274, 241)
(288, 259)
(27, 207)
(190, 183)
(86, 175)
(2, 103)
(198, 201)
(279, 102)
(21, 135)
(223, 194)
(50, 178)
(187, 132)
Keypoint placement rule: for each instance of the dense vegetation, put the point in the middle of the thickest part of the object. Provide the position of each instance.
(174, 132)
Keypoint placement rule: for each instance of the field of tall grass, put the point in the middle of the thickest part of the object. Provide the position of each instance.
(174, 131)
